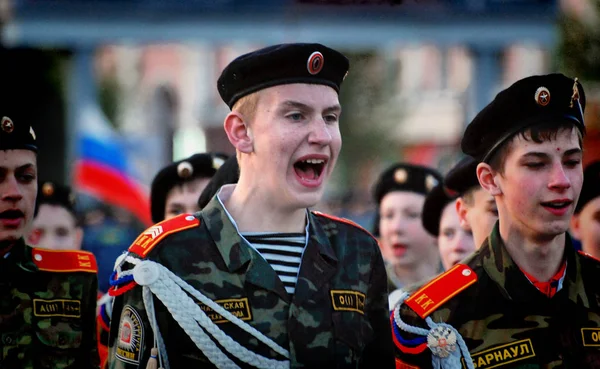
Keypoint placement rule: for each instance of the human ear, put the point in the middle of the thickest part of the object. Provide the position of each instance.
(576, 226)
(238, 132)
(461, 210)
(487, 179)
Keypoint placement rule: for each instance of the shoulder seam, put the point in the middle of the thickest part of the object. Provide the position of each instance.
(345, 221)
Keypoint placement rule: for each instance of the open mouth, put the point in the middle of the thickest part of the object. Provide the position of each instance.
(558, 205)
(11, 214)
(310, 169)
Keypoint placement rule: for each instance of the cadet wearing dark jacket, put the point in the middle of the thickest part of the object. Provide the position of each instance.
(526, 298)
(47, 297)
(256, 279)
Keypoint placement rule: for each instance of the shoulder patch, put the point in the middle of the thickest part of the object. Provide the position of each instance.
(343, 220)
(441, 289)
(64, 261)
(153, 235)
(589, 256)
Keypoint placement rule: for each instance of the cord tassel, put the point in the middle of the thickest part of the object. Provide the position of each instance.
(153, 362)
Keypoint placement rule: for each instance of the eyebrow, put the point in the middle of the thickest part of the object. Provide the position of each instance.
(573, 151)
(301, 106)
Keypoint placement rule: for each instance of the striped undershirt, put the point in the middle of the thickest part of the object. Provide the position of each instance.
(283, 251)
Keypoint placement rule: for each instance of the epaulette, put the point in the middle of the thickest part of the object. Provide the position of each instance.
(343, 220)
(428, 298)
(153, 235)
(64, 261)
(590, 256)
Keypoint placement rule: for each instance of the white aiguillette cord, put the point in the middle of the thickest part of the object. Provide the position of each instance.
(171, 291)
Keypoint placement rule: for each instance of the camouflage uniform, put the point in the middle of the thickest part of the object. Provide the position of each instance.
(507, 322)
(317, 325)
(47, 319)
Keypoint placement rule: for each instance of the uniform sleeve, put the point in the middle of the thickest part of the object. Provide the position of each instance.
(130, 339)
(89, 348)
(103, 318)
(380, 349)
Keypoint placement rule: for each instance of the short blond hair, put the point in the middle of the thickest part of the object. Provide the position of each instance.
(246, 106)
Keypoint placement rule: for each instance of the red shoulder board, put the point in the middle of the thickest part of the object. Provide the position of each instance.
(64, 261)
(585, 254)
(153, 235)
(441, 289)
(341, 220)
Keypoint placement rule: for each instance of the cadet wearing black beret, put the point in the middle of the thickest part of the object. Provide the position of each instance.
(528, 145)
(410, 251)
(48, 296)
(202, 165)
(585, 223)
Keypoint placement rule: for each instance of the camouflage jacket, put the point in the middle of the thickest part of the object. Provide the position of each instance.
(47, 309)
(505, 321)
(338, 316)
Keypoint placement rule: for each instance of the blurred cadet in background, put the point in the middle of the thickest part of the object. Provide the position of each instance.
(176, 188)
(47, 297)
(585, 224)
(56, 224)
(410, 252)
(441, 220)
(476, 208)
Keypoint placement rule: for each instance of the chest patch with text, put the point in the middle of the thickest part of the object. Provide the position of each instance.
(590, 336)
(240, 308)
(346, 300)
(64, 308)
(502, 355)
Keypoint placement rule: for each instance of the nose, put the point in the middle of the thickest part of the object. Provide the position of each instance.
(559, 179)
(11, 190)
(320, 133)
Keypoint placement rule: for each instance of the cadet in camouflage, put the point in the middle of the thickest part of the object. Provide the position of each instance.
(273, 284)
(47, 297)
(526, 298)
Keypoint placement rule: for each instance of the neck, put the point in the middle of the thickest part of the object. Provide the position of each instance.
(539, 256)
(255, 213)
(409, 275)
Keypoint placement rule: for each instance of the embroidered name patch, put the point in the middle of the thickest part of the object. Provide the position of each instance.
(64, 308)
(590, 336)
(131, 335)
(345, 300)
(240, 308)
(502, 355)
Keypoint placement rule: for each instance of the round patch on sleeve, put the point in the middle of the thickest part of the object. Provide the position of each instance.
(131, 336)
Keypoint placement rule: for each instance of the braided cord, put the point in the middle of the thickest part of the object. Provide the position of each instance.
(170, 290)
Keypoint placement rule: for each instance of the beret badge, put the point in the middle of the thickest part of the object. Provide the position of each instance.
(315, 63)
(48, 189)
(217, 162)
(400, 175)
(430, 182)
(185, 169)
(7, 125)
(542, 96)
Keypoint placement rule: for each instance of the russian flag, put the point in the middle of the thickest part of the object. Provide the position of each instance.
(101, 168)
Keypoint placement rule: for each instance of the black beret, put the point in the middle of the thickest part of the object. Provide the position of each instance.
(434, 205)
(202, 165)
(52, 193)
(228, 173)
(552, 98)
(591, 185)
(279, 65)
(406, 177)
(462, 177)
(16, 132)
